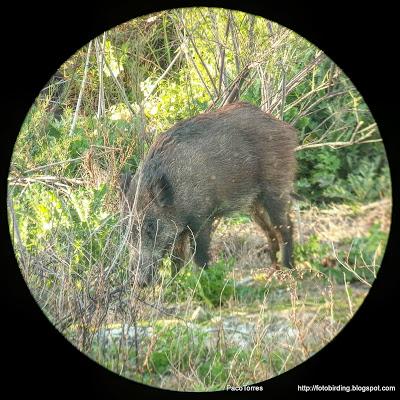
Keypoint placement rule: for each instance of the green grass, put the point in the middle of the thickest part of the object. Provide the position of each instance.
(211, 286)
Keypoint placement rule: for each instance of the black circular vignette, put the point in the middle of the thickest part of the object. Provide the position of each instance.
(39, 38)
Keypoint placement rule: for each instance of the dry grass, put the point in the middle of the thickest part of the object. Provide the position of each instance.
(342, 221)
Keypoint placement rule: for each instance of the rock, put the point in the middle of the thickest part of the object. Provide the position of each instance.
(200, 315)
(245, 282)
(109, 336)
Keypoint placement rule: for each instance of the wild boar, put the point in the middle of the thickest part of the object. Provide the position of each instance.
(237, 158)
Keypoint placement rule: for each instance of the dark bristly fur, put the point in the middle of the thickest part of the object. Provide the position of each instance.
(237, 158)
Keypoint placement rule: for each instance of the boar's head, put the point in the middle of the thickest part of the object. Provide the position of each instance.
(149, 216)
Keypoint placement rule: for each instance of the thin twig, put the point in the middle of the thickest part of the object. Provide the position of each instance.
(42, 167)
(100, 62)
(162, 76)
(78, 104)
(335, 144)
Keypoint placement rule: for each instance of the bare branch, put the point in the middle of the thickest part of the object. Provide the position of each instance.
(296, 80)
(42, 167)
(55, 180)
(190, 37)
(305, 112)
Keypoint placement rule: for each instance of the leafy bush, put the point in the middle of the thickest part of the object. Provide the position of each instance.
(75, 225)
(318, 170)
(329, 175)
(368, 182)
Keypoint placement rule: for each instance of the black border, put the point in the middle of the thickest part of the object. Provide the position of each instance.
(40, 36)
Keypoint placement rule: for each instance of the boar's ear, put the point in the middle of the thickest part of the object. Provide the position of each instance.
(162, 191)
(124, 181)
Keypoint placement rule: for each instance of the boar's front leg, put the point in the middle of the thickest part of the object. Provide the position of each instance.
(202, 237)
(180, 251)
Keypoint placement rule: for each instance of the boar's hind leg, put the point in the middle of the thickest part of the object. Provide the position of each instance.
(180, 252)
(278, 210)
(261, 217)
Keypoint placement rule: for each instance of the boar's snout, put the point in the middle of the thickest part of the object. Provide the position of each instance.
(144, 271)
(144, 276)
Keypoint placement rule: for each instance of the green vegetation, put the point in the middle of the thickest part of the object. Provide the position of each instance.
(210, 286)
(136, 81)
